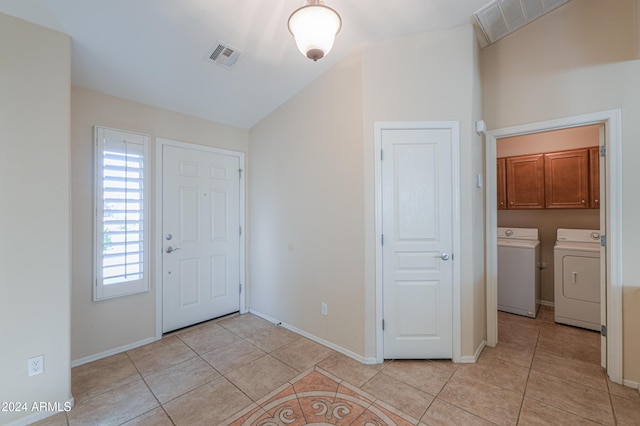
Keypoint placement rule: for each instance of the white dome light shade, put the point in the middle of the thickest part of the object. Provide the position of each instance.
(314, 27)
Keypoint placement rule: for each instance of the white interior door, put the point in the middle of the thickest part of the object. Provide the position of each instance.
(200, 235)
(417, 258)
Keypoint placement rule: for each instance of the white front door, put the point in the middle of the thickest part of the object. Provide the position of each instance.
(417, 258)
(200, 236)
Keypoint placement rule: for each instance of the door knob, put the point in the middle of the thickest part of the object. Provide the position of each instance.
(444, 256)
(172, 249)
(168, 237)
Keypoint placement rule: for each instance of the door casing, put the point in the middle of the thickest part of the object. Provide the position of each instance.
(612, 120)
(454, 127)
(160, 143)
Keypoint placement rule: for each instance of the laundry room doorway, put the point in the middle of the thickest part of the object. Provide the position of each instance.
(606, 158)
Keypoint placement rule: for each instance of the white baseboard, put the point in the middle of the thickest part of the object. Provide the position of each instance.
(472, 359)
(316, 339)
(632, 384)
(546, 303)
(40, 415)
(113, 351)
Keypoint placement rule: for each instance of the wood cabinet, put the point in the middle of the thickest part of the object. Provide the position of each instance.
(525, 182)
(553, 180)
(501, 169)
(566, 177)
(594, 177)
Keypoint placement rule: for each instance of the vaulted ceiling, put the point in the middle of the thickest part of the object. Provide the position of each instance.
(156, 51)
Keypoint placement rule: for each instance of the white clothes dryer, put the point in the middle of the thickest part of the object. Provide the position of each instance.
(518, 272)
(577, 278)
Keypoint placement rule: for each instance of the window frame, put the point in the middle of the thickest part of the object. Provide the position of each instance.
(104, 291)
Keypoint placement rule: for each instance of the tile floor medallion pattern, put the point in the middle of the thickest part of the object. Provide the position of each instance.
(319, 398)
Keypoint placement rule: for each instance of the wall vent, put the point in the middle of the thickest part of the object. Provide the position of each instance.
(224, 55)
(502, 17)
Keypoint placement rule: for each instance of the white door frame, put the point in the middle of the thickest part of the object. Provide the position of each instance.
(160, 144)
(454, 126)
(612, 120)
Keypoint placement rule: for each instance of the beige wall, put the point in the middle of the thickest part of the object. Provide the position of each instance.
(580, 58)
(34, 217)
(549, 220)
(312, 186)
(631, 330)
(306, 232)
(477, 150)
(102, 326)
(432, 77)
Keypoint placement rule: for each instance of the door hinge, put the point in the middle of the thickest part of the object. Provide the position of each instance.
(603, 330)
(240, 286)
(382, 239)
(240, 230)
(603, 151)
(383, 325)
(240, 173)
(381, 155)
(603, 240)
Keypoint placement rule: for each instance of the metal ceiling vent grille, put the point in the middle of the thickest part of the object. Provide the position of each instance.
(502, 17)
(224, 55)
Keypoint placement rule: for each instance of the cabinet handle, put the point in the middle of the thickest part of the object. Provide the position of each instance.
(512, 203)
(596, 201)
(583, 201)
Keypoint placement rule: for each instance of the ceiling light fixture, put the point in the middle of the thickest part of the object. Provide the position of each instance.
(314, 27)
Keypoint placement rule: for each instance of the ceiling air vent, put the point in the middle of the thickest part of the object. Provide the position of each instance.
(224, 55)
(502, 17)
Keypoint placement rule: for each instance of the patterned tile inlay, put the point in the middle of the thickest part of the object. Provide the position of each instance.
(317, 399)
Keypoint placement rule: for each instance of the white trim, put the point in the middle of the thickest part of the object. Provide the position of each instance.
(454, 126)
(613, 213)
(160, 143)
(315, 338)
(631, 384)
(472, 359)
(491, 239)
(113, 351)
(40, 415)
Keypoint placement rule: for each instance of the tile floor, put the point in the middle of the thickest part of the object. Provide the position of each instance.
(243, 370)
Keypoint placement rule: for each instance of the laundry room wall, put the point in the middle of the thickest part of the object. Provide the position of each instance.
(549, 220)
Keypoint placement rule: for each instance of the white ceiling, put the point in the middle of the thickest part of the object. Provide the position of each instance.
(156, 51)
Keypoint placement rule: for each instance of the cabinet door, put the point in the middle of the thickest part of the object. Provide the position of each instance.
(594, 177)
(567, 179)
(525, 177)
(501, 169)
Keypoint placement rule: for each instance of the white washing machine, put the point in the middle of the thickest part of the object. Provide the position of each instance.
(518, 272)
(577, 278)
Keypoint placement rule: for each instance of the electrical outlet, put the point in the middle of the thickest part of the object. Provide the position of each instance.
(324, 309)
(35, 365)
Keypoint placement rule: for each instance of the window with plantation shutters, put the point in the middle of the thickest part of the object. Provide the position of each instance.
(121, 206)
